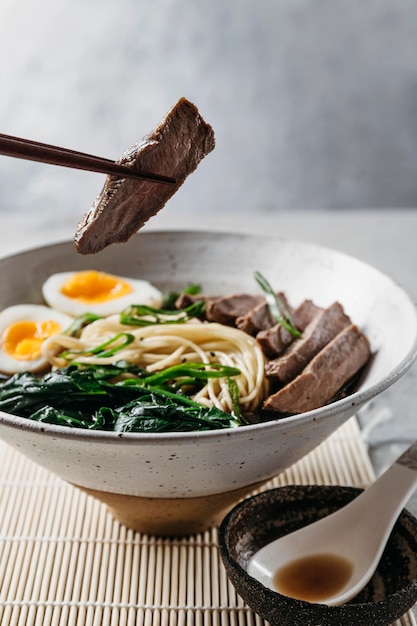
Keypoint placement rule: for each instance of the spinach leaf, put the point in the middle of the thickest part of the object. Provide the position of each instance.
(101, 397)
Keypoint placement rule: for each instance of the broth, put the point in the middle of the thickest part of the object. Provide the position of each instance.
(313, 578)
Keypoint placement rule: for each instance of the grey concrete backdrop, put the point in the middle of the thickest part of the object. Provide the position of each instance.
(314, 102)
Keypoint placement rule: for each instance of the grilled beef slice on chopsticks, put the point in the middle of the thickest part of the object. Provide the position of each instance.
(174, 148)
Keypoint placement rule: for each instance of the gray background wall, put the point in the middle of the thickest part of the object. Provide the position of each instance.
(314, 102)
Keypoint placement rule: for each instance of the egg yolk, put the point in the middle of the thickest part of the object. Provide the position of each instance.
(93, 287)
(23, 340)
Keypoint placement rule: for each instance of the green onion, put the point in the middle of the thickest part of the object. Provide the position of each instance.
(276, 305)
(80, 322)
(195, 371)
(143, 315)
(104, 350)
(234, 396)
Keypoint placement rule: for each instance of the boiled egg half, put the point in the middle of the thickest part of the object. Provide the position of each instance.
(96, 292)
(23, 329)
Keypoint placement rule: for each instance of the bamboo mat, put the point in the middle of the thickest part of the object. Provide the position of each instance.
(65, 561)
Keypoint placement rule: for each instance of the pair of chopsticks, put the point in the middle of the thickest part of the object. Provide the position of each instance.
(45, 153)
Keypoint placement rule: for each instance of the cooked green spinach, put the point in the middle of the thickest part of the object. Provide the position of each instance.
(119, 397)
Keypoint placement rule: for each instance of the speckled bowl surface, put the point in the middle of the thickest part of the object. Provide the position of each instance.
(183, 482)
(260, 519)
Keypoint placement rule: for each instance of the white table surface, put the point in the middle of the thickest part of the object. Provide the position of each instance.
(383, 237)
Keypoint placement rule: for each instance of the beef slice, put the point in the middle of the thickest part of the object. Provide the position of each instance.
(260, 317)
(275, 340)
(174, 148)
(323, 327)
(226, 309)
(325, 375)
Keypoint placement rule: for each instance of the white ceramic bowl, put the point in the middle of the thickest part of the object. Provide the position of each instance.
(184, 482)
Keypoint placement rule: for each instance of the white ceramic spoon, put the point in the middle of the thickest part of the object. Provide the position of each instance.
(357, 532)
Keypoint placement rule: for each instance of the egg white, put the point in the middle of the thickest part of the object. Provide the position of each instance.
(143, 292)
(30, 313)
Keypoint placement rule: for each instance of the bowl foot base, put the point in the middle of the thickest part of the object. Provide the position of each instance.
(170, 516)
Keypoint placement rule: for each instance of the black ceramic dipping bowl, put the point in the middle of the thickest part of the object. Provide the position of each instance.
(258, 520)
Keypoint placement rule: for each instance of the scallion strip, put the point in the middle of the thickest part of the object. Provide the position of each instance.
(234, 396)
(276, 305)
(103, 350)
(80, 322)
(143, 315)
(193, 371)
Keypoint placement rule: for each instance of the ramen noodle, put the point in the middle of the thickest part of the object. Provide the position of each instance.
(156, 347)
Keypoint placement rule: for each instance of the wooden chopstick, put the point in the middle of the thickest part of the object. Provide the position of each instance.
(54, 155)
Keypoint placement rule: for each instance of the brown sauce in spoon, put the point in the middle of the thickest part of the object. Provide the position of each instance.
(313, 578)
